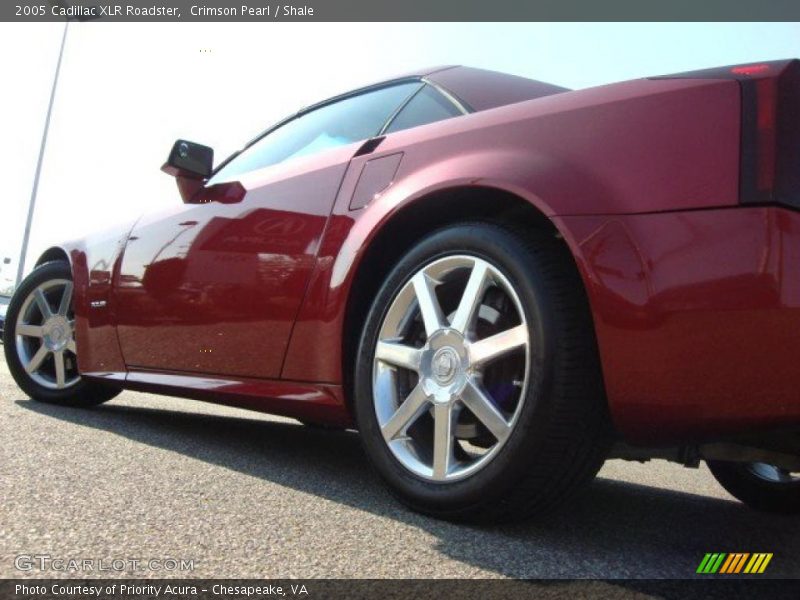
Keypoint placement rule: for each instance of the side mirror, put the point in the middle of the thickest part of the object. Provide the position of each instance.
(191, 165)
(189, 160)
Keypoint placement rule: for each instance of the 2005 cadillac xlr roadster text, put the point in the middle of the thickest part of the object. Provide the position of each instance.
(499, 282)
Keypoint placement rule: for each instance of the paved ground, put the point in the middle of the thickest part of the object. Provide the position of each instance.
(247, 495)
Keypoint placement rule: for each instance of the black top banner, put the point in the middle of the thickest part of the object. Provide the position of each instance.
(400, 10)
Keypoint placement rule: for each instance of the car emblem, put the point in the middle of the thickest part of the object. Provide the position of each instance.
(444, 365)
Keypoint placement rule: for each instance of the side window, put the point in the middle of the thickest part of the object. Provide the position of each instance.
(343, 122)
(427, 106)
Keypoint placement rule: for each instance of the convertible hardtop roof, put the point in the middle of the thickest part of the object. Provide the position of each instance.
(475, 89)
(480, 89)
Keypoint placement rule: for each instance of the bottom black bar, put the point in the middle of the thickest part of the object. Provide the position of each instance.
(438, 589)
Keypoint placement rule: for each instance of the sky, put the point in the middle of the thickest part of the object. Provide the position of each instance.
(127, 90)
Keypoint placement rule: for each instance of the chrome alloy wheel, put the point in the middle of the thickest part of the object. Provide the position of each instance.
(450, 369)
(44, 335)
(773, 474)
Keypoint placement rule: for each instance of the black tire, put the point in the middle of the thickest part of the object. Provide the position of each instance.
(83, 393)
(563, 431)
(758, 492)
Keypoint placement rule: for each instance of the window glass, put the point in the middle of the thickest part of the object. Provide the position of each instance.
(349, 120)
(427, 106)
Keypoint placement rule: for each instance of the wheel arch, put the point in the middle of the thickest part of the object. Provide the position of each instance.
(54, 253)
(418, 218)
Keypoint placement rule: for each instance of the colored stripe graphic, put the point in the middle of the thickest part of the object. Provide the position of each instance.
(718, 563)
(734, 563)
(738, 562)
(727, 564)
(758, 563)
(711, 563)
(703, 563)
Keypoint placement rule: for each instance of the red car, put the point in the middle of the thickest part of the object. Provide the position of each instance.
(499, 282)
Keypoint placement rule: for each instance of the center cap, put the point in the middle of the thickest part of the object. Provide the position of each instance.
(444, 366)
(57, 333)
(445, 362)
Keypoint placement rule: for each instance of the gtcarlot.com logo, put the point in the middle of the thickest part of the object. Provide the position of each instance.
(46, 562)
(734, 563)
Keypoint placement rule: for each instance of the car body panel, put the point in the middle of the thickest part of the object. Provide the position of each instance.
(696, 314)
(95, 264)
(693, 295)
(547, 157)
(301, 400)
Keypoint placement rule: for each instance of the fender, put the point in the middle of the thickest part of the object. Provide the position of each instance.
(95, 260)
(314, 353)
(499, 170)
(691, 310)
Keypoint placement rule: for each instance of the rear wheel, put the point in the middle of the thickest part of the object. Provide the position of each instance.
(478, 391)
(759, 485)
(39, 341)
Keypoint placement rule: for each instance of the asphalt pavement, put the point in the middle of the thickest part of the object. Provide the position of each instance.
(247, 495)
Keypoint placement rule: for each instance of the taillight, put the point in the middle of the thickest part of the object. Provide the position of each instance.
(769, 168)
(766, 138)
(787, 161)
(750, 69)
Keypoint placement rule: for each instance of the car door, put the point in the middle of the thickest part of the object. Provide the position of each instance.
(214, 287)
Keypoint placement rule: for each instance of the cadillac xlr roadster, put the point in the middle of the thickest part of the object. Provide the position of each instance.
(498, 282)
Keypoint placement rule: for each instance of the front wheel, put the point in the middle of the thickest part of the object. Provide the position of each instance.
(39, 341)
(478, 390)
(761, 486)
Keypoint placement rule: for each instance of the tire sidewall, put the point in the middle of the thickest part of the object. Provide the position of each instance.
(504, 252)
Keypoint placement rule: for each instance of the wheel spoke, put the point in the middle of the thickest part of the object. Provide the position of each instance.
(66, 299)
(60, 369)
(443, 439)
(72, 348)
(471, 299)
(484, 409)
(488, 349)
(37, 360)
(428, 303)
(27, 330)
(408, 412)
(399, 355)
(41, 302)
